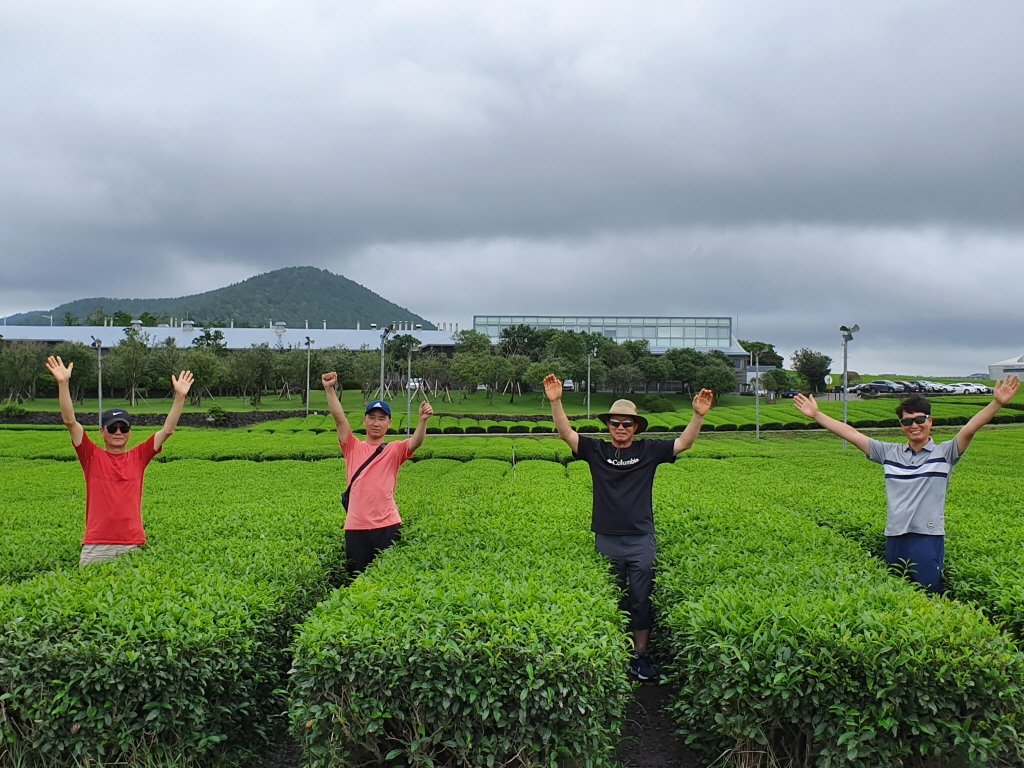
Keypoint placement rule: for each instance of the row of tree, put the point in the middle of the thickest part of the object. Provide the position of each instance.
(137, 366)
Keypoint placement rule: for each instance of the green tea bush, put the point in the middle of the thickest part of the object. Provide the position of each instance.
(436, 657)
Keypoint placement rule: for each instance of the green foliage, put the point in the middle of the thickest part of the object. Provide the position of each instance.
(812, 366)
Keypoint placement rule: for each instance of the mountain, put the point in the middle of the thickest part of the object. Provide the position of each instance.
(292, 295)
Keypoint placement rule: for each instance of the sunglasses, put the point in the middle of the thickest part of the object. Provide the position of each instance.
(624, 423)
(908, 420)
(118, 427)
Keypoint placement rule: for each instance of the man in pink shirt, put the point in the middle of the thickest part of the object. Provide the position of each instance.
(372, 523)
(113, 474)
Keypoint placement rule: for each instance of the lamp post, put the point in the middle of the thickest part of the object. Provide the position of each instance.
(309, 344)
(847, 337)
(383, 337)
(590, 356)
(48, 317)
(757, 394)
(408, 389)
(98, 346)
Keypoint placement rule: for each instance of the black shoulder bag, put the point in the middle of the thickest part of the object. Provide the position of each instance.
(344, 494)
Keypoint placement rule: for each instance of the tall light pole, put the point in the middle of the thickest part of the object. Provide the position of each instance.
(757, 394)
(590, 356)
(50, 318)
(847, 337)
(98, 346)
(383, 337)
(309, 344)
(408, 389)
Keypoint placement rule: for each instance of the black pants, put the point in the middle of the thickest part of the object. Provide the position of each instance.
(362, 546)
(631, 559)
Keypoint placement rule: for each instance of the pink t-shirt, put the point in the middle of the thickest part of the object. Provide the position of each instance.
(113, 492)
(372, 499)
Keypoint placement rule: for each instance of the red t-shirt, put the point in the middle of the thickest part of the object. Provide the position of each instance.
(372, 499)
(113, 492)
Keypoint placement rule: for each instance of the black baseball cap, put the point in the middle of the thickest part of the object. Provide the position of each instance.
(114, 415)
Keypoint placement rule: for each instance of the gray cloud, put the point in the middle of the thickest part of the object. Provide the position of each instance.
(794, 164)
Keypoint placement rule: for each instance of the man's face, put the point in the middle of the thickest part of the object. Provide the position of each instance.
(916, 426)
(115, 435)
(377, 423)
(622, 429)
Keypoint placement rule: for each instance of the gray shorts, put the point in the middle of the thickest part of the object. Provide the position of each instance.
(101, 553)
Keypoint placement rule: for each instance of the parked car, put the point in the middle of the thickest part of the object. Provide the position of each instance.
(415, 383)
(789, 393)
(568, 385)
(971, 387)
(960, 389)
(882, 387)
(909, 386)
(930, 387)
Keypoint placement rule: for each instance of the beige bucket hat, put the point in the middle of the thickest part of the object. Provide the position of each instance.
(625, 408)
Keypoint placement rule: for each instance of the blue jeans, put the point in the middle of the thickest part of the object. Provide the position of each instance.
(918, 557)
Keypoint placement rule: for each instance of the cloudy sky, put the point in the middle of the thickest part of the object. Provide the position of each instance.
(794, 164)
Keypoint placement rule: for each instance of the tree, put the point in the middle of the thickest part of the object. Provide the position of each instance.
(718, 377)
(251, 371)
(685, 362)
(655, 370)
(212, 340)
(812, 366)
(777, 380)
(624, 378)
(766, 351)
(129, 363)
(471, 368)
(166, 359)
(70, 319)
(121, 318)
(472, 341)
(521, 340)
(97, 317)
(84, 358)
(21, 365)
(208, 371)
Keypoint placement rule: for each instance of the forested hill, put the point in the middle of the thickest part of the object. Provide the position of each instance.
(292, 295)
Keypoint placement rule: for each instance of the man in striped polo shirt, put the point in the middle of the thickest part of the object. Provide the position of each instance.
(916, 478)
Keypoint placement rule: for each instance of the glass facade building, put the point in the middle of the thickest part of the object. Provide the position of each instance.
(701, 333)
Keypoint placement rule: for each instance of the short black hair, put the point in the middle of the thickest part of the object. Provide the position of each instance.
(914, 404)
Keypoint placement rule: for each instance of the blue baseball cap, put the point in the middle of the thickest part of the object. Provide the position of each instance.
(379, 405)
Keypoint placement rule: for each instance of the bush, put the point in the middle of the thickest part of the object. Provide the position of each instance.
(12, 409)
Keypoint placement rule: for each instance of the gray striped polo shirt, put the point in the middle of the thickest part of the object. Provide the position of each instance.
(915, 485)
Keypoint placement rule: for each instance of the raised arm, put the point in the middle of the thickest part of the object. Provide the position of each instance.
(330, 381)
(62, 375)
(808, 406)
(426, 411)
(553, 391)
(701, 405)
(182, 383)
(1002, 394)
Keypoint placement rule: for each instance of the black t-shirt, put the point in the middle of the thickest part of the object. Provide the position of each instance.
(623, 483)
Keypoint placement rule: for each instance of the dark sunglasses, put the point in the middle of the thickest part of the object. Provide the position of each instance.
(118, 427)
(908, 420)
(625, 423)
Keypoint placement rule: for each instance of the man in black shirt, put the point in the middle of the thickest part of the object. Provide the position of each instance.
(623, 512)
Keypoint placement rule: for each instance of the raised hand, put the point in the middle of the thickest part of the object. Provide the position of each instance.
(426, 410)
(329, 380)
(182, 383)
(703, 401)
(1006, 389)
(552, 387)
(806, 404)
(60, 372)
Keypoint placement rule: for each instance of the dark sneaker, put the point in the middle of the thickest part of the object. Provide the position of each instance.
(643, 669)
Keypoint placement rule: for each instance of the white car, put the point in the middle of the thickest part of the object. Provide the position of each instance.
(970, 387)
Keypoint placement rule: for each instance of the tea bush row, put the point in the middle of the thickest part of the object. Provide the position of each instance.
(179, 649)
(785, 636)
(490, 636)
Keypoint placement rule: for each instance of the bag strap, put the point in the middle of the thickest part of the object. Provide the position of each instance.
(363, 465)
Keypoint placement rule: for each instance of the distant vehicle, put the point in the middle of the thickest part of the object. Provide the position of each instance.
(930, 386)
(909, 386)
(415, 383)
(789, 393)
(960, 389)
(971, 387)
(568, 385)
(882, 387)
(481, 387)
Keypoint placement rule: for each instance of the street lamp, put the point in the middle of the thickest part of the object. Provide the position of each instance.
(847, 337)
(757, 393)
(309, 344)
(590, 356)
(98, 346)
(48, 317)
(408, 389)
(383, 337)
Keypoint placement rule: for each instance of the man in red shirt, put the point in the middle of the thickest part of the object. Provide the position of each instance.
(372, 523)
(113, 474)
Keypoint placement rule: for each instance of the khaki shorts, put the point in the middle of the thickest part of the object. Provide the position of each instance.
(101, 553)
